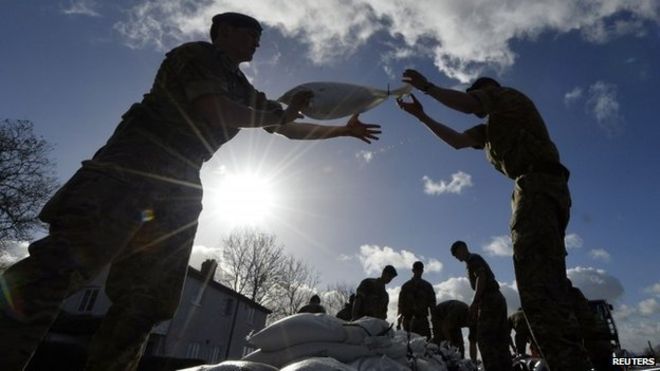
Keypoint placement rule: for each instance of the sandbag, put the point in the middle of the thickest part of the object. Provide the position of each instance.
(299, 329)
(381, 363)
(234, 366)
(339, 351)
(318, 364)
(332, 100)
(358, 330)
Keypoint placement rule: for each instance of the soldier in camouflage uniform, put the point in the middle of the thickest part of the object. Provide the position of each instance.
(488, 310)
(371, 297)
(518, 145)
(135, 204)
(594, 331)
(450, 317)
(416, 301)
(518, 323)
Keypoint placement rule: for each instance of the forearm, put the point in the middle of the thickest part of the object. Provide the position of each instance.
(454, 99)
(306, 131)
(445, 133)
(221, 111)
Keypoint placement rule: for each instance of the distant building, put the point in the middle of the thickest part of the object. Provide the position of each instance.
(210, 325)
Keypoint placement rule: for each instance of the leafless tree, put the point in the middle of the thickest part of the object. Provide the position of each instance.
(252, 263)
(26, 179)
(335, 296)
(294, 288)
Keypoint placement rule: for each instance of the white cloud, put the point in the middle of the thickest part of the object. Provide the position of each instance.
(344, 257)
(459, 181)
(573, 241)
(603, 104)
(572, 96)
(82, 7)
(649, 307)
(499, 246)
(600, 254)
(374, 258)
(437, 29)
(365, 156)
(596, 283)
(454, 288)
(655, 289)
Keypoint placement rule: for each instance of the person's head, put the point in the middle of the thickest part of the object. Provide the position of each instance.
(315, 300)
(460, 250)
(480, 83)
(236, 34)
(418, 269)
(388, 274)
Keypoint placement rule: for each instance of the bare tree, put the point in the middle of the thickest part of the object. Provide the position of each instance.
(26, 179)
(294, 288)
(252, 263)
(335, 296)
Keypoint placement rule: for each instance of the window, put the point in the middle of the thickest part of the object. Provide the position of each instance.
(250, 315)
(193, 350)
(215, 355)
(247, 350)
(88, 300)
(229, 307)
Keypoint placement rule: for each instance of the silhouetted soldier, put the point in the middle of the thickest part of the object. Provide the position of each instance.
(346, 312)
(518, 145)
(314, 306)
(135, 204)
(371, 297)
(518, 323)
(450, 317)
(416, 301)
(488, 308)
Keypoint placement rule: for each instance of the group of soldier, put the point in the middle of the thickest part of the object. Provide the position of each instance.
(135, 205)
(486, 319)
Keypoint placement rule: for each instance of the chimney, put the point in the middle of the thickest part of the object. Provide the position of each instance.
(208, 269)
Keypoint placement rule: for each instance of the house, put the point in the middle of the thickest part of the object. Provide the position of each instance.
(210, 325)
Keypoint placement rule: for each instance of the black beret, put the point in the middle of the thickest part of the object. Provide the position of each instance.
(237, 20)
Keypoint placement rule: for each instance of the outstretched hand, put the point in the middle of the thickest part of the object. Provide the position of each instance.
(414, 107)
(414, 78)
(362, 131)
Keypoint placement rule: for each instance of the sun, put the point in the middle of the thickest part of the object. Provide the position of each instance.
(242, 199)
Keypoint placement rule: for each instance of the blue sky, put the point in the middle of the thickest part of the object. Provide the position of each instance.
(73, 67)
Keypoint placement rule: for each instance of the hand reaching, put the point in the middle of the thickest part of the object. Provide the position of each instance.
(362, 131)
(414, 108)
(415, 79)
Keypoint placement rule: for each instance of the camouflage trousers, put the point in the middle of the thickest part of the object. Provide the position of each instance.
(541, 207)
(493, 332)
(144, 231)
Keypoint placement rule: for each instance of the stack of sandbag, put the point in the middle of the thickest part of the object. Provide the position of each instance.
(321, 342)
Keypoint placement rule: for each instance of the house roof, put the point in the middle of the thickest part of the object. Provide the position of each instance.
(220, 287)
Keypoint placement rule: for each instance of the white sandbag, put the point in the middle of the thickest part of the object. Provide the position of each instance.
(339, 351)
(318, 364)
(234, 366)
(382, 363)
(299, 329)
(358, 330)
(332, 100)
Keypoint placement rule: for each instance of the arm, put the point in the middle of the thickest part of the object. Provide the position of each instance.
(353, 128)
(220, 111)
(446, 134)
(454, 99)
